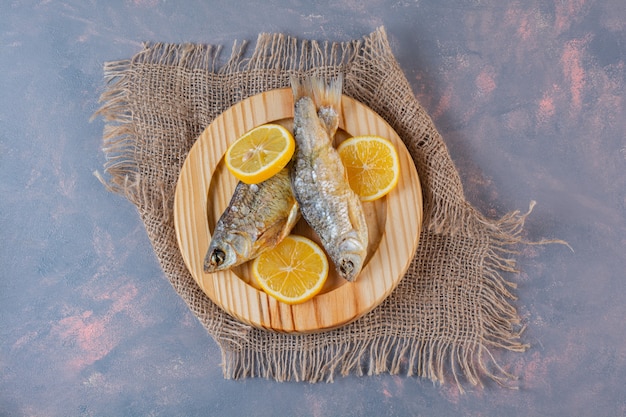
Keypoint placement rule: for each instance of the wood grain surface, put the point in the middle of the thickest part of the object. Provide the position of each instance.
(204, 190)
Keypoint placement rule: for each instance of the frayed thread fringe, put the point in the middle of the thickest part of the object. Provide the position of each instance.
(272, 51)
(385, 354)
(437, 360)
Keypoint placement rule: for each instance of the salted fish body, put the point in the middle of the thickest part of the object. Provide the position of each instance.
(258, 217)
(319, 179)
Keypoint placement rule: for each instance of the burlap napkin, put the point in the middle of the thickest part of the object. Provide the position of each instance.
(449, 312)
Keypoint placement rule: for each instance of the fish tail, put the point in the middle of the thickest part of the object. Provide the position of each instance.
(323, 94)
(297, 88)
(327, 95)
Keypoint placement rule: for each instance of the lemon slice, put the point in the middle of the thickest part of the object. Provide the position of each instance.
(260, 153)
(372, 165)
(292, 272)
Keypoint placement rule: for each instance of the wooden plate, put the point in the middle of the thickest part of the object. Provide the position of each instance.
(204, 190)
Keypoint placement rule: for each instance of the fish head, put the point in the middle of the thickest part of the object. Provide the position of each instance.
(226, 252)
(352, 255)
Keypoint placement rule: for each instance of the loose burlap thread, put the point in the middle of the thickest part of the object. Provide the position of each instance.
(450, 311)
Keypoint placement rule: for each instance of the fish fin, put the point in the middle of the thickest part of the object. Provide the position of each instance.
(299, 88)
(292, 219)
(326, 94)
(278, 230)
(271, 236)
(355, 213)
(327, 98)
(323, 94)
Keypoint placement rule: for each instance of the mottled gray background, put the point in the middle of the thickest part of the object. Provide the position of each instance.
(529, 96)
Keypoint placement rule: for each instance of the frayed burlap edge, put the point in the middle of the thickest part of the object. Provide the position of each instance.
(390, 353)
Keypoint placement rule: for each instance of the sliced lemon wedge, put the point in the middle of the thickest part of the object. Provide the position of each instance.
(260, 153)
(372, 164)
(292, 272)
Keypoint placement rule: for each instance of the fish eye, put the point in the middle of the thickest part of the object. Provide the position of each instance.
(218, 256)
(346, 267)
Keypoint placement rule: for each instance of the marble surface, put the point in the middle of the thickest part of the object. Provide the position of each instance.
(529, 97)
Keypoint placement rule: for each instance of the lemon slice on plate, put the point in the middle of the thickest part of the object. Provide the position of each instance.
(372, 165)
(260, 153)
(292, 272)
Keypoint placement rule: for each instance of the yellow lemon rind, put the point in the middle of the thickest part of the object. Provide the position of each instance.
(267, 171)
(312, 292)
(393, 153)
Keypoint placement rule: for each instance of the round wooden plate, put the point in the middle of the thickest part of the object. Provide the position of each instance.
(204, 190)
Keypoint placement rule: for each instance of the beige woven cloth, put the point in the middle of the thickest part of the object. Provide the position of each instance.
(450, 310)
